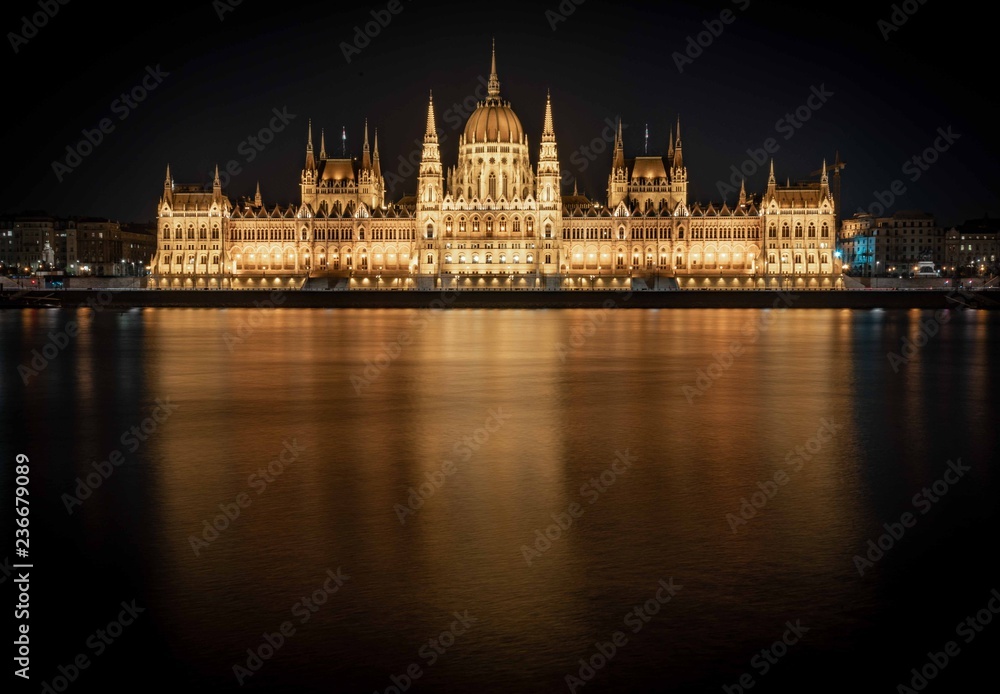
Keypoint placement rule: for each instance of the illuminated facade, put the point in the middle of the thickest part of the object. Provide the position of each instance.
(496, 220)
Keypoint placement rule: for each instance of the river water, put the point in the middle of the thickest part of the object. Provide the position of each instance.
(476, 501)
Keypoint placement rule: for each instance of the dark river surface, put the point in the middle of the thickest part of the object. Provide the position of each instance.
(477, 501)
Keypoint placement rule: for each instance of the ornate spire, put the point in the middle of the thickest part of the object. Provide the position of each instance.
(670, 149)
(549, 131)
(216, 183)
(493, 88)
(743, 192)
(310, 159)
(824, 179)
(431, 134)
(257, 200)
(167, 179)
(619, 161)
(678, 154)
(366, 158)
(378, 167)
(322, 144)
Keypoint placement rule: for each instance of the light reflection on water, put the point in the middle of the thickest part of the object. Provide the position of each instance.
(708, 403)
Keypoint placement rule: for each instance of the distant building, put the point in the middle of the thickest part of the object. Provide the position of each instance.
(36, 242)
(892, 245)
(105, 248)
(974, 246)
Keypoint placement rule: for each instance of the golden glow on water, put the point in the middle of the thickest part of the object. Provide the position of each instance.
(710, 404)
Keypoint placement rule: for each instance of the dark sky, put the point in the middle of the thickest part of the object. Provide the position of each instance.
(224, 78)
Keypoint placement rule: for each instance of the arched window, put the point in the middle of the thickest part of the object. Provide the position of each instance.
(461, 225)
(503, 225)
(430, 230)
(680, 232)
(812, 230)
(798, 231)
(772, 232)
(448, 226)
(826, 231)
(493, 186)
(548, 229)
(784, 231)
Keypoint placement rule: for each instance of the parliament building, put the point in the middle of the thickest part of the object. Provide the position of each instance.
(494, 219)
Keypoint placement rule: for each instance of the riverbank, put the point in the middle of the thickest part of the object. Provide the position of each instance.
(841, 299)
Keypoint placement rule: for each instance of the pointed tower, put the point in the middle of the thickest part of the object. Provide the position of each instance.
(168, 187)
(322, 144)
(430, 181)
(258, 201)
(618, 180)
(743, 192)
(678, 158)
(366, 157)
(772, 183)
(310, 176)
(310, 159)
(549, 177)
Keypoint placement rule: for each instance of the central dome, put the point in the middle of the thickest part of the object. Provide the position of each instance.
(494, 121)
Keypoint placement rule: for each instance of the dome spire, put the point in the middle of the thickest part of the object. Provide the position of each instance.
(493, 87)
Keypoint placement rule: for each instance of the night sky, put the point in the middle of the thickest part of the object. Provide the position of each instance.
(222, 79)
